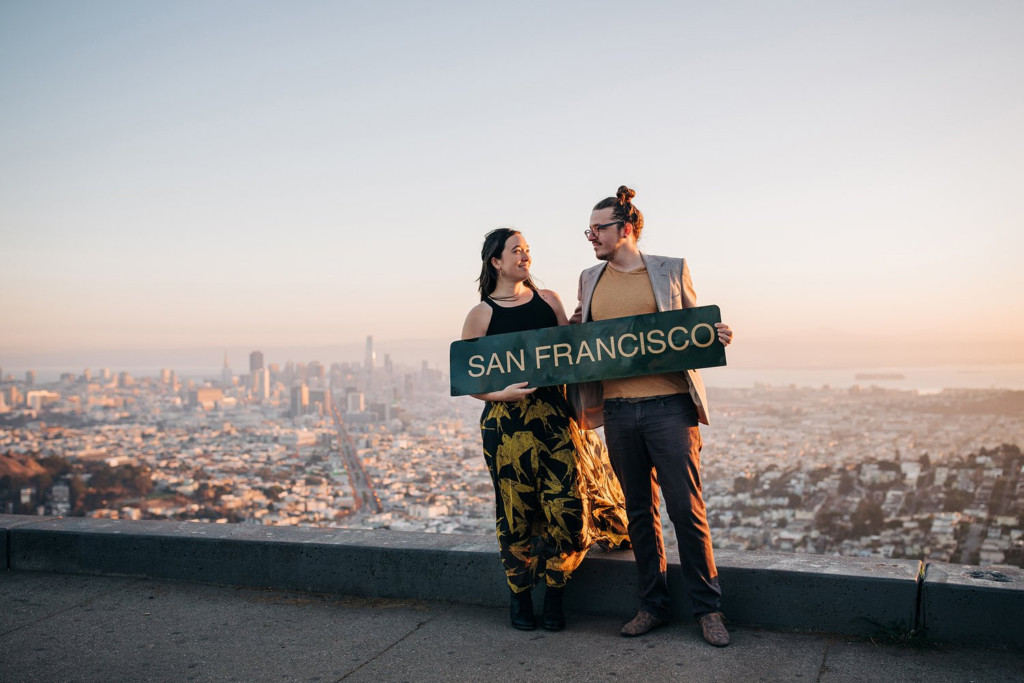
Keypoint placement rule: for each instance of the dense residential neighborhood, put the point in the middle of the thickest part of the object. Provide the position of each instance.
(861, 471)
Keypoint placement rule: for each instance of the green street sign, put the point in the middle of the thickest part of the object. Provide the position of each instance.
(621, 347)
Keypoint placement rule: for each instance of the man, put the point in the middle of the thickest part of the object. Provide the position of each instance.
(650, 421)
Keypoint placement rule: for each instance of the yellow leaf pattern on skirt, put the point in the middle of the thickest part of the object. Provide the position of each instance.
(555, 494)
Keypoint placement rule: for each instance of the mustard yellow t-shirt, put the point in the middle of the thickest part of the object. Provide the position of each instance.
(619, 295)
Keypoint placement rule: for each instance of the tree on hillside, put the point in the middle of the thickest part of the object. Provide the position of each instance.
(957, 500)
(56, 465)
(830, 523)
(867, 519)
(742, 485)
(77, 495)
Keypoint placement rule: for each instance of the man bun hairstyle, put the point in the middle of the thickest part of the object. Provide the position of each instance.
(623, 209)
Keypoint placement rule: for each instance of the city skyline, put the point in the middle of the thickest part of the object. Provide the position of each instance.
(842, 180)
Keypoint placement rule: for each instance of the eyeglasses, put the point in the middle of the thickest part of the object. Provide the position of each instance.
(596, 232)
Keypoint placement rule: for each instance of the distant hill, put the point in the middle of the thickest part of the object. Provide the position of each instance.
(975, 402)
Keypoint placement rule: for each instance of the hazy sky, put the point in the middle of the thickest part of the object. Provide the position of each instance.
(845, 179)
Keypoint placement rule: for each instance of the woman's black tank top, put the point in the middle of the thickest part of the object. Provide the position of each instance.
(533, 315)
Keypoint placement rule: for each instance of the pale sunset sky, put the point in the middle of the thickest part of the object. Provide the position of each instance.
(845, 179)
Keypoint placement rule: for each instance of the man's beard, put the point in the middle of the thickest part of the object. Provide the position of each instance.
(609, 255)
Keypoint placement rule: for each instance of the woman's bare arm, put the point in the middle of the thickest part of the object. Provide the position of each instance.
(555, 302)
(476, 326)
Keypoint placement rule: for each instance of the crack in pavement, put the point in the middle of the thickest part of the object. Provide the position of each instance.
(824, 657)
(392, 645)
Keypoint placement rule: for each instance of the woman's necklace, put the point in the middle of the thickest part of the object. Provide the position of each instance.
(513, 297)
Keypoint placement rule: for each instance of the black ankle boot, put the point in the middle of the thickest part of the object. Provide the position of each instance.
(521, 610)
(553, 619)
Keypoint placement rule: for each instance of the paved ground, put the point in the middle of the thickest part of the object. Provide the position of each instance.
(75, 628)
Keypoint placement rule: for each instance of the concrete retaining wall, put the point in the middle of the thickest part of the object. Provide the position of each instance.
(360, 563)
(817, 592)
(971, 605)
(809, 592)
(8, 522)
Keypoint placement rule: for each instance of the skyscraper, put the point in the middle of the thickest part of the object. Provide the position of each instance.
(300, 400)
(315, 370)
(320, 401)
(226, 376)
(255, 361)
(13, 396)
(30, 377)
(371, 356)
(368, 363)
(261, 384)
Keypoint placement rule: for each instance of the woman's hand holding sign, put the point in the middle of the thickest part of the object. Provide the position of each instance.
(511, 393)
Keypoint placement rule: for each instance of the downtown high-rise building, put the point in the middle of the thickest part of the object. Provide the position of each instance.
(227, 378)
(371, 355)
(368, 364)
(320, 401)
(12, 396)
(315, 371)
(261, 384)
(300, 400)
(255, 361)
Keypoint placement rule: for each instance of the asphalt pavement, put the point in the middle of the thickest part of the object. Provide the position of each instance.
(58, 627)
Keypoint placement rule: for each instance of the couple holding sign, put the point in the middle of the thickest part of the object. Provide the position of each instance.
(553, 497)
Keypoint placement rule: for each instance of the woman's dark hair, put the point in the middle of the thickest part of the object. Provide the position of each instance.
(623, 209)
(494, 245)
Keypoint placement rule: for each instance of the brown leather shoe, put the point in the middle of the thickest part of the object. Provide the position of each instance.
(641, 624)
(713, 628)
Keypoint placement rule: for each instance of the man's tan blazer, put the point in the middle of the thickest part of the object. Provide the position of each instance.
(673, 291)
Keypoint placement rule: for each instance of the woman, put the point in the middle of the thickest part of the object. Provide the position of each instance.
(553, 494)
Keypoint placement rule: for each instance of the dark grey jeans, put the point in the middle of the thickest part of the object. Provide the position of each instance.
(657, 442)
